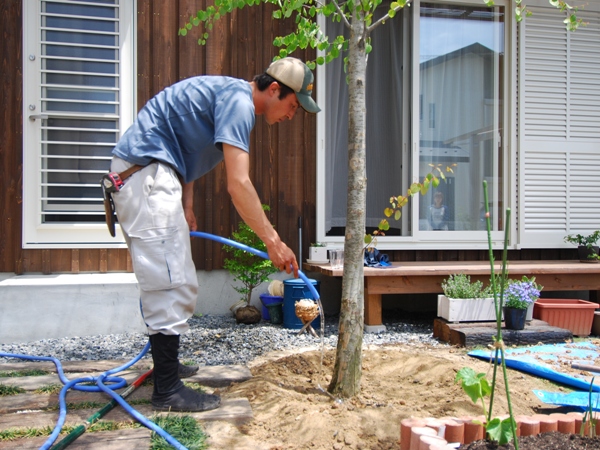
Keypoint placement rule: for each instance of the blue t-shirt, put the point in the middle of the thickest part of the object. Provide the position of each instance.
(185, 125)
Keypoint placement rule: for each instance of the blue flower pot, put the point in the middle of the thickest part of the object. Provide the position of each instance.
(514, 319)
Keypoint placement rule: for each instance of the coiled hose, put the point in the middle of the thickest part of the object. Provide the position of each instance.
(117, 382)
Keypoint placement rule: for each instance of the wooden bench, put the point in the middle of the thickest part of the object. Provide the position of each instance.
(426, 277)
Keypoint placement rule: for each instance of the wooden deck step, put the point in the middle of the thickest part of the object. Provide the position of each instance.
(473, 334)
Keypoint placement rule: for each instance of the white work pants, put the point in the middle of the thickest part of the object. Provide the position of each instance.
(150, 213)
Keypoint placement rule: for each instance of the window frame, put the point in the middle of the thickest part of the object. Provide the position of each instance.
(36, 234)
(421, 239)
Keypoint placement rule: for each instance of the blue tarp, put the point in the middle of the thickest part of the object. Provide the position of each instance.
(580, 400)
(553, 362)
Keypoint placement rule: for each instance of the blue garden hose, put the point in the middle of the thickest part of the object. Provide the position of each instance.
(117, 382)
(264, 255)
(101, 387)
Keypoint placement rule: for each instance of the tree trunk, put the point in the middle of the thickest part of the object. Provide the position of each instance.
(345, 381)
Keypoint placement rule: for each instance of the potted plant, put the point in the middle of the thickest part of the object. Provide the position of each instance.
(586, 245)
(249, 269)
(465, 300)
(519, 297)
(317, 253)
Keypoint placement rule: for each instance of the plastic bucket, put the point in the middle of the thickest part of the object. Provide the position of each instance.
(266, 300)
(276, 312)
(294, 290)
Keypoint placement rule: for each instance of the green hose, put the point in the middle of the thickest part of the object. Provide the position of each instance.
(79, 430)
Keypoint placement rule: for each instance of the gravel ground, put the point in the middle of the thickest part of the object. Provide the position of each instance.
(218, 340)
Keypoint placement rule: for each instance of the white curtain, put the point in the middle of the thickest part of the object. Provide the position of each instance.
(384, 127)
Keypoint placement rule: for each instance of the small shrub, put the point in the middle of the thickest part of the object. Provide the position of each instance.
(460, 286)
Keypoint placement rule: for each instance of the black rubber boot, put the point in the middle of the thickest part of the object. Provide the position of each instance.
(187, 371)
(169, 392)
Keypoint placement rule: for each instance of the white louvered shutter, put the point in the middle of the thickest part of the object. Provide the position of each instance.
(78, 97)
(559, 126)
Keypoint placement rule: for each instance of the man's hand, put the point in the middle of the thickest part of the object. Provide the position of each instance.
(190, 218)
(283, 258)
(187, 200)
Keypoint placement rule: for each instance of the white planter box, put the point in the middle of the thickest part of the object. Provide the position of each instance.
(318, 253)
(469, 309)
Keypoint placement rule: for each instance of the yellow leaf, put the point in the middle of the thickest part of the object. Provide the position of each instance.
(398, 214)
(388, 212)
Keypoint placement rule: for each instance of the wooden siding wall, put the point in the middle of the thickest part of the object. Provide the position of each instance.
(282, 156)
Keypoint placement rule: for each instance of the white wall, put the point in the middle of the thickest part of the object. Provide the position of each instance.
(36, 306)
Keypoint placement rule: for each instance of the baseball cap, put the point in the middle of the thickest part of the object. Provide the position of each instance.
(297, 76)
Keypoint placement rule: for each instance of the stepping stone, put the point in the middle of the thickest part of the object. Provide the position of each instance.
(105, 440)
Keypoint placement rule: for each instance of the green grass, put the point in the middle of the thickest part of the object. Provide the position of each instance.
(12, 434)
(185, 429)
(23, 373)
(49, 389)
(5, 391)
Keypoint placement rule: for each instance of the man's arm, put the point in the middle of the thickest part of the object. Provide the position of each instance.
(187, 199)
(249, 207)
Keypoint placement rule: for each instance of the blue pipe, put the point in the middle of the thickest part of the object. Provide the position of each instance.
(264, 255)
(117, 383)
(120, 382)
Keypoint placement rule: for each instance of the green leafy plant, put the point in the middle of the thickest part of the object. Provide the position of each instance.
(247, 268)
(460, 286)
(588, 241)
(505, 430)
(477, 387)
(589, 420)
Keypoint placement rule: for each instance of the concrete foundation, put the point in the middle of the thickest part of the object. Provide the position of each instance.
(37, 306)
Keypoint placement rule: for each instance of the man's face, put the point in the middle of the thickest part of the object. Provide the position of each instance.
(279, 110)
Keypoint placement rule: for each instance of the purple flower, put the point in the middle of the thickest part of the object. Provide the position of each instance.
(521, 294)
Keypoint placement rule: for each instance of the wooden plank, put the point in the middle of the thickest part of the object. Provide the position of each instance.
(236, 410)
(426, 277)
(113, 440)
(373, 308)
(481, 333)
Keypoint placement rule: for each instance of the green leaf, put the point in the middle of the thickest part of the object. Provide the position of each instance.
(500, 431)
(475, 385)
(182, 32)
(368, 239)
(398, 214)
(384, 225)
(277, 14)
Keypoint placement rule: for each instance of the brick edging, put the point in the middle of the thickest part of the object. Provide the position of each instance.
(436, 434)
